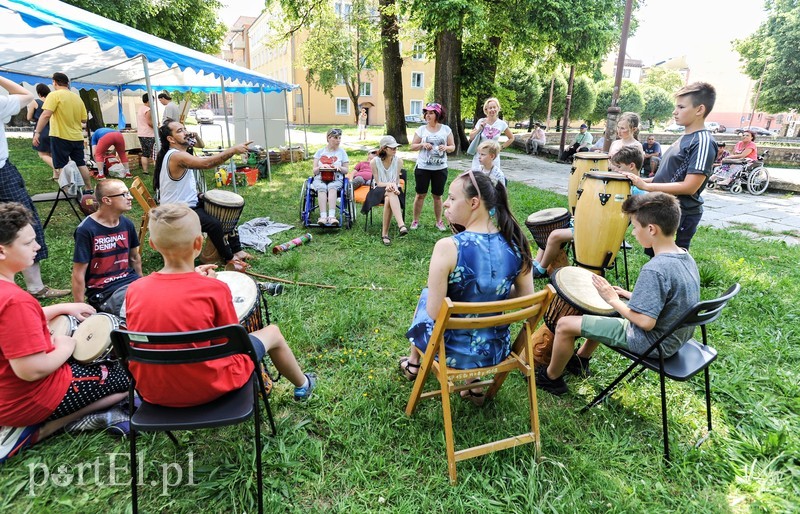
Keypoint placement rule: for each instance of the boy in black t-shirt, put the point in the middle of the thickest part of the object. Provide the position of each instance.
(687, 163)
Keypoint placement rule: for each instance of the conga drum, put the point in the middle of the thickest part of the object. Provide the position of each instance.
(584, 162)
(246, 298)
(62, 325)
(541, 223)
(600, 224)
(576, 295)
(226, 206)
(93, 338)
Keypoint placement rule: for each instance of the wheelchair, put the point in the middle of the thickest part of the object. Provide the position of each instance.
(753, 174)
(345, 206)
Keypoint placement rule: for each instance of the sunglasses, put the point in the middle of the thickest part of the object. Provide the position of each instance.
(126, 194)
(335, 133)
(474, 182)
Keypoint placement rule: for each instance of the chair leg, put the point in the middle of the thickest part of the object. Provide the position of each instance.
(50, 214)
(259, 470)
(533, 406)
(173, 438)
(607, 391)
(269, 414)
(664, 422)
(708, 398)
(449, 438)
(134, 473)
(419, 383)
(625, 260)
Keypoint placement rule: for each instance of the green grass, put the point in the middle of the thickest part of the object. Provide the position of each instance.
(352, 449)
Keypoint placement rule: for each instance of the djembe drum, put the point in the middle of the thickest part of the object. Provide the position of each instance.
(541, 223)
(600, 224)
(575, 295)
(585, 162)
(246, 298)
(227, 207)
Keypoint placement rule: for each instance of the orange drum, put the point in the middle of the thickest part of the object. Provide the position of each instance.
(600, 224)
(576, 295)
(585, 162)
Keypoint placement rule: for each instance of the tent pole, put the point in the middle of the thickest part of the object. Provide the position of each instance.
(305, 124)
(232, 166)
(153, 113)
(266, 138)
(288, 130)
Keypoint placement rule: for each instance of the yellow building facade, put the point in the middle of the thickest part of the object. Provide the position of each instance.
(310, 105)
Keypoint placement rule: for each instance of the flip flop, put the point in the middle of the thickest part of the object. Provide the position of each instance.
(403, 231)
(476, 399)
(386, 241)
(406, 370)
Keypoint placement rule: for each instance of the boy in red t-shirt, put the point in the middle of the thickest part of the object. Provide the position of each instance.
(40, 391)
(181, 298)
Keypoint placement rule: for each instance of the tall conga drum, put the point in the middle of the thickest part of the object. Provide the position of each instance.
(584, 162)
(600, 224)
(576, 295)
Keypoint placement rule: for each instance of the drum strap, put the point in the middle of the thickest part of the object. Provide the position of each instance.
(606, 263)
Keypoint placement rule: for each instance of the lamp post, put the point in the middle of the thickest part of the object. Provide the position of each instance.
(758, 92)
(613, 109)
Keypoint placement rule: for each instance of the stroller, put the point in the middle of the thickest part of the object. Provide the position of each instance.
(734, 174)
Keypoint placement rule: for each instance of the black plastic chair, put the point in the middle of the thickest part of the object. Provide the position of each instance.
(55, 198)
(692, 358)
(232, 408)
(404, 183)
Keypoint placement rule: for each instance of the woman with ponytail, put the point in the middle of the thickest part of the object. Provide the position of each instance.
(488, 259)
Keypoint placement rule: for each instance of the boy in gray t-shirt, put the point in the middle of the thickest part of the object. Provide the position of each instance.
(667, 287)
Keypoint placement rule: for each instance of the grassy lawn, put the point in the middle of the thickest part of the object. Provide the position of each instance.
(352, 449)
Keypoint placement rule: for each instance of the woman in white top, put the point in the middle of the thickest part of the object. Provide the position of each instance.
(490, 128)
(627, 132)
(386, 171)
(433, 140)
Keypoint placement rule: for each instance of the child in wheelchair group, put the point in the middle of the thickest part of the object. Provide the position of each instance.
(330, 168)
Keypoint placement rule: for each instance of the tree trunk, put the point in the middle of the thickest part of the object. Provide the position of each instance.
(392, 73)
(447, 82)
(353, 92)
(491, 74)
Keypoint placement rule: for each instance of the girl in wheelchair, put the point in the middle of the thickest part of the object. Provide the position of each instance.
(744, 154)
(330, 167)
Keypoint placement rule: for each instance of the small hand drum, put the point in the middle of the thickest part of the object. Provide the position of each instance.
(62, 325)
(327, 174)
(93, 338)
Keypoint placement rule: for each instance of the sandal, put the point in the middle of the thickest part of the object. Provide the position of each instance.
(403, 231)
(48, 293)
(334, 222)
(476, 399)
(322, 221)
(386, 240)
(406, 370)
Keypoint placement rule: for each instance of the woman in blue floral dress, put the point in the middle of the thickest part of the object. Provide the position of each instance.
(488, 260)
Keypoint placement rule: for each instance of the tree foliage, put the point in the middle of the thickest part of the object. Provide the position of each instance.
(584, 98)
(668, 80)
(191, 23)
(658, 104)
(630, 99)
(559, 96)
(770, 55)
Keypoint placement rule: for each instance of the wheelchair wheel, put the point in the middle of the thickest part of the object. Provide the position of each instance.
(736, 187)
(351, 203)
(711, 185)
(304, 211)
(200, 181)
(758, 181)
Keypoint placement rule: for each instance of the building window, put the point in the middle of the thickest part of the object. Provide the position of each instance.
(418, 52)
(416, 107)
(366, 89)
(626, 73)
(339, 79)
(343, 106)
(417, 80)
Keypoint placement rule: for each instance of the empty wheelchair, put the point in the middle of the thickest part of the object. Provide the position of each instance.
(741, 172)
(345, 206)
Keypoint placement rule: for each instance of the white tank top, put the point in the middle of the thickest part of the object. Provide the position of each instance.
(387, 175)
(183, 189)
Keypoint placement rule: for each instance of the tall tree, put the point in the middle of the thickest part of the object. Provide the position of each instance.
(630, 99)
(664, 78)
(191, 23)
(584, 98)
(658, 105)
(392, 72)
(770, 55)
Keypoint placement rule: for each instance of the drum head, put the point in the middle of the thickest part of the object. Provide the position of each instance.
(592, 156)
(224, 198)
(243, 290)
(574, 284)
(94, 336)
(607, 175)
(62, 325)
(547, 215)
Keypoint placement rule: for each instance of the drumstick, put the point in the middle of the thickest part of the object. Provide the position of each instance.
(322, 286)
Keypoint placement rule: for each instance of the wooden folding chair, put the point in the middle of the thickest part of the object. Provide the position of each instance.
(529, 310)
(146, 202)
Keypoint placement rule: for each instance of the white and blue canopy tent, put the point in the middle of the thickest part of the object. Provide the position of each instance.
(44, 36)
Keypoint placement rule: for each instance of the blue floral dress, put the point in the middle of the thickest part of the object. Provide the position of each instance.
(485, 270)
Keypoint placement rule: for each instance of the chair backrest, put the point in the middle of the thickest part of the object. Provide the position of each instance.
(231, 339)
(142, 195)
(501, 312)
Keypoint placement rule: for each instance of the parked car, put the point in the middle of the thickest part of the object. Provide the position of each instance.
(714, 127)
(204, 116)
(469, 123)
(759, 131)
(414, 119)
(522, 124)
(674, 127)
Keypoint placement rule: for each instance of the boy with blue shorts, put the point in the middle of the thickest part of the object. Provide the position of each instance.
(627, 160)
(667, 287)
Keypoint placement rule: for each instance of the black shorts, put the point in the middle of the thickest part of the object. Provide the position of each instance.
(436, 179)
(63, 150)
(147, 146)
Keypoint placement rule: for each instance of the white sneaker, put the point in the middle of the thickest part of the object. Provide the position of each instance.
(14, 439)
